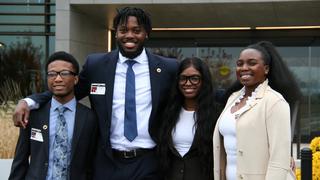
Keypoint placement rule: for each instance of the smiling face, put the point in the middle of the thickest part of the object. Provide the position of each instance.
(62, 87)
(130, 37)
(190, 83)
(251, 69)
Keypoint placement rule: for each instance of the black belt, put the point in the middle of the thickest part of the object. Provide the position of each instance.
(131, 154)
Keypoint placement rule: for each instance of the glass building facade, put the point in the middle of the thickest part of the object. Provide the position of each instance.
(303, 61)
(34, 20)
(28, 20)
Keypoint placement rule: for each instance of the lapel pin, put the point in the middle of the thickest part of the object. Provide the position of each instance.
(158, 70)
(44, 127)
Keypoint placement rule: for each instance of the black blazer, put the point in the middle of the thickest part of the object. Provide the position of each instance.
(101, 68)
(82, 150)
(191, 165)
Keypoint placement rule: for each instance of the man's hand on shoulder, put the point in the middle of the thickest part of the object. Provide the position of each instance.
(21, 114)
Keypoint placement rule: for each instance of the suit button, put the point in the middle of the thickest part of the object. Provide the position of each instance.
(241, 176)
(181, 170)
(46, 164)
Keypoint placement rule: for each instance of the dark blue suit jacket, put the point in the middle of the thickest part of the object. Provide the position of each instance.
(82, 148)
(100, 68)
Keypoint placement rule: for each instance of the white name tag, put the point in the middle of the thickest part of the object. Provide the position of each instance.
(98, 88)
(36, 135)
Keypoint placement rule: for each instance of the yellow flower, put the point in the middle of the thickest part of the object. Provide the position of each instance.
(298, 174)
(315, 147)
(316, 165)
(315, 144)
(224, 70)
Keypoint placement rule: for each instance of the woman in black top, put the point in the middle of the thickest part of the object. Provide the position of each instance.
(186, 133)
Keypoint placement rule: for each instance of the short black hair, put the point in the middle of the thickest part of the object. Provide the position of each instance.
(64, 56)
(143, 18)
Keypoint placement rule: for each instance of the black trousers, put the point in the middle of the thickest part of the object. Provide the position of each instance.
(144, 167)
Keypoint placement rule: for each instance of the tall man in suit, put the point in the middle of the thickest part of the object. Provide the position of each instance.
(60, 144)
(124, 151)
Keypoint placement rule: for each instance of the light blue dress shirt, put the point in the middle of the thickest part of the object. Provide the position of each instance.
(70, 118)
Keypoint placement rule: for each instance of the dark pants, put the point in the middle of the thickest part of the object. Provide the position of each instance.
(144, 167)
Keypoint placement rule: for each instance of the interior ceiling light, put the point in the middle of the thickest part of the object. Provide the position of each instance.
(286, 27)
(2, 45)
(202, 29)
(221, 29)
(109, 41)
(237, 28)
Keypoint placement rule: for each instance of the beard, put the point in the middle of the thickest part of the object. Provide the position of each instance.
(130, 55)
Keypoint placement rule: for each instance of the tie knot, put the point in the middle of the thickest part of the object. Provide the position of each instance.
(130, 62)
(61, 109)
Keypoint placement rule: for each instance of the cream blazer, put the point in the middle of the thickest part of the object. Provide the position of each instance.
(263, 138)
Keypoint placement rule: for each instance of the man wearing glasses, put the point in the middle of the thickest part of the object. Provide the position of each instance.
(52, 138)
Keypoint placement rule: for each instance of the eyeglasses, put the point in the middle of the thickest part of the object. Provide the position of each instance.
(194, 80)
(62, 74)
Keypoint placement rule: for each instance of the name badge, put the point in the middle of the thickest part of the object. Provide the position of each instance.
(36, 135)
(98, 88)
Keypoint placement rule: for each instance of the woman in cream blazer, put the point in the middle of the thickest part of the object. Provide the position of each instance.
(262, 119)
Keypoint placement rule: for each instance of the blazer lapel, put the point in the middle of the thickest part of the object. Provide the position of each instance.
(110, 71)
(44, 114)
(155, 69)
(259, 95)
(174, 151)
(195, 141)
(80, 120)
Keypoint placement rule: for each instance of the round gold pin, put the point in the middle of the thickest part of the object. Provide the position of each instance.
(44, 127)
(158, 70)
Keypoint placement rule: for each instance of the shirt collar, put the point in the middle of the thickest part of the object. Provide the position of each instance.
(140, 59)
(71, 105)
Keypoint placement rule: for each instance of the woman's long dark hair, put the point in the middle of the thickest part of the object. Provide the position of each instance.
(280, 77)
(205, 116)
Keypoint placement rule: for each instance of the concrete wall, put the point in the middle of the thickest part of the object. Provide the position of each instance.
(77, 33)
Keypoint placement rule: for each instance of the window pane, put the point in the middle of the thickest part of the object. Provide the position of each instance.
(52, 19)
(52, 41)
(24, 1)
(314, 91)
(35, 45)
(21, 19)
(21, 28)
(52, 28)
(21, 9)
